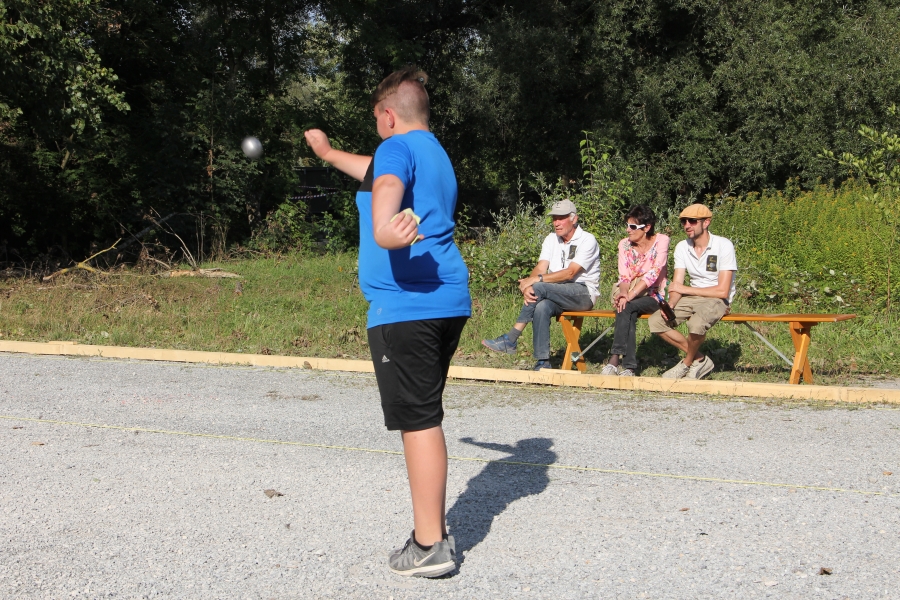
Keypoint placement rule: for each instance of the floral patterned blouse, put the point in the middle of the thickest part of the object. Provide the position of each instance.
(650, 265)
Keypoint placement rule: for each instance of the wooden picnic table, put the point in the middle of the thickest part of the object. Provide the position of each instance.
(800, 326)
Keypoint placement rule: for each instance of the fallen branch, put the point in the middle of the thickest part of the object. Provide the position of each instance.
(159, 262)
(201, 273)
(85, 264)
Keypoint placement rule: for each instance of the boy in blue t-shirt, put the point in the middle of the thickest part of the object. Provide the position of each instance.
(416, 283)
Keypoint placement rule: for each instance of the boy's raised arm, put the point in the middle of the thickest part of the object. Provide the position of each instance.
(354, 165)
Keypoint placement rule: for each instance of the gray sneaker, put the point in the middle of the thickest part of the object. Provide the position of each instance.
(501, 344)
(676, 372)
(610, 370)
(699, 370)
(412, 561)
(626, 373)
(452, 541)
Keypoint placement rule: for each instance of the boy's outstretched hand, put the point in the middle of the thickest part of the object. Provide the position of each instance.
(318, 141)
(354, 165)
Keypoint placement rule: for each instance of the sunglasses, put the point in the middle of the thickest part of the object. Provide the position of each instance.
(691, 221)
(634, 227)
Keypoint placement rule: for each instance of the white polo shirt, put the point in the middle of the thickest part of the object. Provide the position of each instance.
(704, 269)
(582, 250)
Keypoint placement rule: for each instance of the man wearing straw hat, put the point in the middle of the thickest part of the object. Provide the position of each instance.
(710, 262)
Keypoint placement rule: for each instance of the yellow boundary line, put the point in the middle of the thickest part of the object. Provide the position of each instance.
(552, 377)
(235, 438)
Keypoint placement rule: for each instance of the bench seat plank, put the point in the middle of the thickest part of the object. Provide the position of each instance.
(753, 317)
(800, 325)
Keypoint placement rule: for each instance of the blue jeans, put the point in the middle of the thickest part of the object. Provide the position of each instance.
(552, 300)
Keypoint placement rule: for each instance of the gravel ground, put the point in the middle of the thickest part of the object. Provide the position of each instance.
(123, 512)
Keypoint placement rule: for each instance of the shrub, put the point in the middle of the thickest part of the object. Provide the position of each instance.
(283, 229)
(291, 227)
(502, 255)
(602, 196)
(821, 249)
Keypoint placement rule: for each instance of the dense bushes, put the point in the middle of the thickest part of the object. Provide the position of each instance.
(823, 249)
(500, 256)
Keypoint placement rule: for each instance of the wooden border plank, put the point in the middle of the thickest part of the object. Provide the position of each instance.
(551, 377)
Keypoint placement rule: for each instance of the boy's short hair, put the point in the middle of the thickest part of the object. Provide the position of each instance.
(404, 90)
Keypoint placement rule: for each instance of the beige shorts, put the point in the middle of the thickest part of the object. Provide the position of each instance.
(700, 314)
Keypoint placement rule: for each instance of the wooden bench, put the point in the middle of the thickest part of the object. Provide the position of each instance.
(800, 326)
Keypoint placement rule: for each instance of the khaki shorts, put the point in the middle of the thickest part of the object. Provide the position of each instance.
(700, 314)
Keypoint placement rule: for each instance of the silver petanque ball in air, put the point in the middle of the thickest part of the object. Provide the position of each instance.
(252, 147)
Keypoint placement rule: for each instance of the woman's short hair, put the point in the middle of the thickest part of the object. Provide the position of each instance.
(644, 215)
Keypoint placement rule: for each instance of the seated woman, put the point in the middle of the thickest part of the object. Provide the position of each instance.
(642, 273)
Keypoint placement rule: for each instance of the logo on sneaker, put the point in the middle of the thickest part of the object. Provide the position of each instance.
(418, 563)
(385, 359)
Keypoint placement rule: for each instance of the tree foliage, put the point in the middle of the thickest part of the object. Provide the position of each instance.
(112, 111)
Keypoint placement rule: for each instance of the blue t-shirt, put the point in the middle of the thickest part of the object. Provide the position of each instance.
(429, 279)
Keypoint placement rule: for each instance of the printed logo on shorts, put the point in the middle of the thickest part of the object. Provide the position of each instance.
(712, 263)
(385, 359)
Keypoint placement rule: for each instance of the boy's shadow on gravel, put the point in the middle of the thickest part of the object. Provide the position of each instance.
(496, 487)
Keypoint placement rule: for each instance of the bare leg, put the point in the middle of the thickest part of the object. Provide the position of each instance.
(426, 464)
(675, 338)
(690, 347)
(520, 326)
(444, 514)
(693, 348)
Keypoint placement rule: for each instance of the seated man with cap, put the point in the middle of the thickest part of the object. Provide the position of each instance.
(566, 277)
(710, 262)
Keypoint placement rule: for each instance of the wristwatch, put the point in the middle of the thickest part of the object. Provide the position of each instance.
(541, 277)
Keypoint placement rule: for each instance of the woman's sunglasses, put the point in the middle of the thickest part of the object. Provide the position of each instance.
(634, 227)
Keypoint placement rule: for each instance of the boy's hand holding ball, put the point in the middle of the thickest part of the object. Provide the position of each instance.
(407, 216)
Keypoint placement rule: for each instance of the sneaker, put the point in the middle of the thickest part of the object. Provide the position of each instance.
(610, 370)
(541, 364)
(452, 541)
(447, 537)
(626, 373)
(412, 561)
(700, 369)
(676, 372)
(501, 344)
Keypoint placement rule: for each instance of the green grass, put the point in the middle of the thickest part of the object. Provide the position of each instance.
(305, 305)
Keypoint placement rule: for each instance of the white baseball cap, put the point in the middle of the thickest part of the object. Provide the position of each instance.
(563, 208)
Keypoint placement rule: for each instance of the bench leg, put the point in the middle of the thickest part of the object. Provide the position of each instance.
(572, 331)
(800, 333)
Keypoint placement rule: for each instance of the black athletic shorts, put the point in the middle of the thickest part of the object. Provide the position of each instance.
(411, 362)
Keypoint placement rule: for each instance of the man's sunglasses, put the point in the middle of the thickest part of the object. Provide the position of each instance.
(634, 227)
(691, 221)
